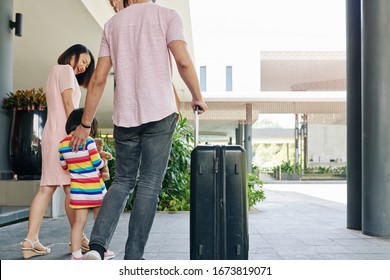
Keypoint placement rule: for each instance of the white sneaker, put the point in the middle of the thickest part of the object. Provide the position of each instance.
(92, 255)
(108, 255)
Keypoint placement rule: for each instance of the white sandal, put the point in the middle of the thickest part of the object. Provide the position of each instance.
(32, 251)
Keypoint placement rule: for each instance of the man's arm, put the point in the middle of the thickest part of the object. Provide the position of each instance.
(94, 94)
(187, 72)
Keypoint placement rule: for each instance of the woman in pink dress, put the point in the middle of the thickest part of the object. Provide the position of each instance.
(75, 68)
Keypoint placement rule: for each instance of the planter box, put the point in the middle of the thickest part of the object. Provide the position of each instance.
(290, 177)
(14, 193)
(325, 176)
(286, 176)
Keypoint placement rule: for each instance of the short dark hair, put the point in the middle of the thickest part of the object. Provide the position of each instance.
(83, 78)
(126, 3)
(74, 120)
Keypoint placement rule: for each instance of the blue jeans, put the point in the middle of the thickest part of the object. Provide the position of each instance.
(141, 152)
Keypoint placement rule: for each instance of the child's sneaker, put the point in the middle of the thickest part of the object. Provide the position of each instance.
(108, 255)
(76, 259)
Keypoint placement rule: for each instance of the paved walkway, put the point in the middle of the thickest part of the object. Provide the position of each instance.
(295, 222)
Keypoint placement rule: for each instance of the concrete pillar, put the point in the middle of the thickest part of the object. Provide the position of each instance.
(354, 115)
(296, 139)
(248, 136)
(240, 133)
(376, 116)
(248, 146)
(304, 140)
(6, 69)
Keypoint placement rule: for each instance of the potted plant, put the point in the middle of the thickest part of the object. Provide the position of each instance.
(28, 108)
(29, 99)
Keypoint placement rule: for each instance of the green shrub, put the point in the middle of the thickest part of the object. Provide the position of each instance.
(110, 148)
(289, 167)
(255, 191)
(340, 172)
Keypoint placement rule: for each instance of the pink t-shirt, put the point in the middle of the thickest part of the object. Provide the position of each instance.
(136, 39)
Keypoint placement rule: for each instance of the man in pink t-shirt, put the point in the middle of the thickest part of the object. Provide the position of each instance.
(138, 42)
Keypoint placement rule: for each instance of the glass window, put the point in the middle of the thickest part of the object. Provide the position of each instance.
(202, 78)
(229, 78)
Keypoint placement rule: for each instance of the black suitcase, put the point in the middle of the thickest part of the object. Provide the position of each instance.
(219, 211)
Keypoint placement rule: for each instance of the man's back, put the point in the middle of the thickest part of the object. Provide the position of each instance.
(136, 39)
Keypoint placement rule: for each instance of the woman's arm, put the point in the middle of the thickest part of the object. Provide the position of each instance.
(67, 100)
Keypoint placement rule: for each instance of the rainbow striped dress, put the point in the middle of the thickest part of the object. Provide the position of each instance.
(87, 187)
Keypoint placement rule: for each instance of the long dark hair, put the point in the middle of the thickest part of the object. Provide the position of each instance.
(75, 50)
(74, 120)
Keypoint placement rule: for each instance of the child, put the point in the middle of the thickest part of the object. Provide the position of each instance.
(87, 187)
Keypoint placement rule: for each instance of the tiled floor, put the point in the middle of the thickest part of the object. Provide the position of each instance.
(295, 222)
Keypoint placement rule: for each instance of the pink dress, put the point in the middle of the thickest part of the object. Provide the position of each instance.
(61, 77)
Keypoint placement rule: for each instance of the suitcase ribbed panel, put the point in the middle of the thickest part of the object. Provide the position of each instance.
(236, 207)
(203, 214)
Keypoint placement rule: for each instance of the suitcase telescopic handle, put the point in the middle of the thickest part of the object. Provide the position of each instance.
(196, 125)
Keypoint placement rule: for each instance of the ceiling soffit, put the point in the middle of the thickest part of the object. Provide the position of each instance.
(303, 71)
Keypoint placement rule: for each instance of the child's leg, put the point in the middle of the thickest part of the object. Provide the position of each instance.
(70, 213)
(95, 212)
(78, 229)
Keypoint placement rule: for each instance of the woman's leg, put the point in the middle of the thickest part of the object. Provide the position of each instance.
(37, 211)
